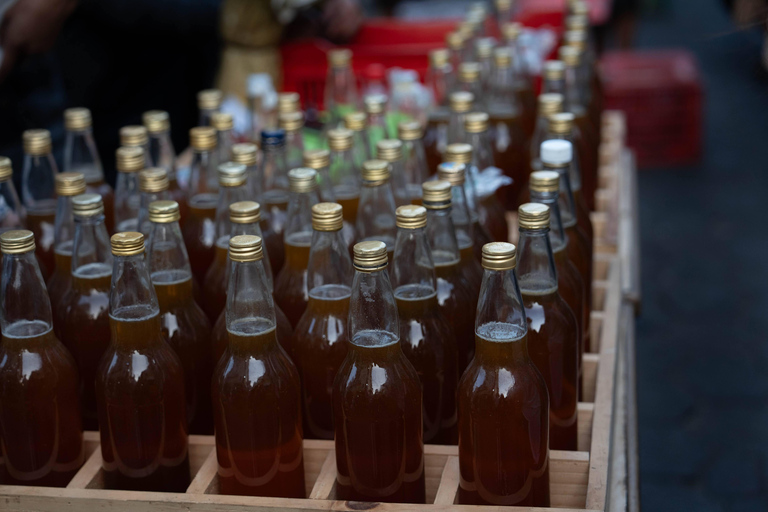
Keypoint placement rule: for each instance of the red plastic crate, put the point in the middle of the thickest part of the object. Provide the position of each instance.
(661, 94)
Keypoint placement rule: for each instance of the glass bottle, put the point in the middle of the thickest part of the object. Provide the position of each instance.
(549, 104)
(376, 124)
(208, 102)
(320, 161)
(274, 175)
(484, 51)
(391, 151)
(202, 195)
(454, 292)
(183, 323)
(553, 332)
(376, 215)
(291, 293)
(415, 165)
(440, 82)
(288, 102)
(84, 309)
(320, 339)
(455, 43)
(38, 194)
(505, 11)
(469, 81)
(425, 332)
(162, 154)
(345, 172)
(136, 136)
(11, 212)
(503, 400)
(68, 185)
(377, 395)
(521, 72)
(553, 75)
(461, 105)
(130, 160)
(39, 407)
(225, 138)
(340, 86)
(292, 123)
(247, 153)
(153, 186)
(256, 390)
(81, 155)
(361, 153)
(140, 384)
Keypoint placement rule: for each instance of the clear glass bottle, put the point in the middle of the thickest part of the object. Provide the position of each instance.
(292, 123)
(183, 323)
(345, 172)
(503, 400)
(38, 194)
(440, 80)
(484, 51)
(12, 213)
(320, 161)
(140, 384)
(553, 75)
(130, 160)
(340, 86)
(256, 389)
(136, 136)
(376, 214)
(162, 154)
(549, 104)
(455, 43)
(461, 105)
(247, 154)
(208, 102)
(356, 121)
(288, 102)
(376, 120)
(470, 81)
(425, 332)
(276, 192)
(522, 73)
(391, 151)
(411, 135)
(320, 339)
(153, 186)
(225, 137)
(377, 395)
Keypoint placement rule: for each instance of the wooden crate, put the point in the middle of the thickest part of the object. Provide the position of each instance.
(579, 480)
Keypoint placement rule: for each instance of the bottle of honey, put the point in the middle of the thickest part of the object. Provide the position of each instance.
(415, 165)
(469, 81)
(39, 405)
(356, 121)
(503, 402)
(153, 186)
(391, 151)
(553, 331)
(484, 51)
(136, 136)
(461, 104)
(130, 160)
(549, 104)
(162, 154)
(340, 87)
(440, 82)
(425, 332)
(208, 102)
(320, 339)
(376, 120)
(12, 216)
(292, 123)
(225, 138)
(256, 390)
(523, 81)
(377, 395)
(344, 172)
(455, 43)
(376, 215)
(184, 324)
(276, 192)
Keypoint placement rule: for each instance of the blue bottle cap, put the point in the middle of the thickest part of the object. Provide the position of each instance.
(272, 138)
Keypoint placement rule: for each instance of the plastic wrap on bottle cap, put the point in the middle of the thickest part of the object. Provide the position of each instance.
(556, 152)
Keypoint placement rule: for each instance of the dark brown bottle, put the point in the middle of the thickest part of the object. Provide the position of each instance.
(163, 155)
(425, 334)
(140, 384)
(256, 390)
(377, 395)
(503, 400)
(184, 325)
(39, 405)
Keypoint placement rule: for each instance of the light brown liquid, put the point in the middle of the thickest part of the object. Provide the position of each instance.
(433, 145)
(40, 427)
(470, 268)
(571, 288)
(200, 233)
(186, 328)
(108, 198)
(587, 141)
(493, 218)
(142, 412)
(429, 344)
(320, 346)
(176, 193)
(59, 284)
(578, 253)
(527, 99)
(220, 336)
(349, 201)
(40, 220)
(458, 306)
(511, 154)
(276, 208)
(503, 427)
(215, 284)
(291, 292)
(377, 418)
(256, 394)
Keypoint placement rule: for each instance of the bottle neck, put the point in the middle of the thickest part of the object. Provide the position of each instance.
(132, 296)
(274, 169)
(500, 320)
(162, 154)
(148, 198)
(250, 310)
(25, 309)
(439, 83)
(536, 262)
(38, 188)
(442, 237)
(167, 256)
(64, 225)
(573, 94)
(373, 319)
(482, 151)
(376, 214)
(456, 131)
(554, 86)
(13, 214)
(413, 269)
(329, 262)
(565, 201)
(344, 175)
(91, 251)
(224, 141)
(557, 234)
(81, 155)
(253, 228)
(462, 219)
(202, 175)
(253, 183)
(300, 212)
(415, 166)
(227, 196)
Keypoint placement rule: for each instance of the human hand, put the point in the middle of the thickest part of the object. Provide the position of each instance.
(342, 19)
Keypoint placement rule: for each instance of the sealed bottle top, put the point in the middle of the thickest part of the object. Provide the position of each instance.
(156, 121)
(411, 217)
(87, 205)
(202, 138)
(127, 243)
(370, 256)
(6, 168)
(436, 195)
(553, 70)
(153, 180)
(459, 152)
(502, 57)
(37, 142)
(375, 172)
(561, 123)
(484, 47)
(231, 174)
(245, 153)
(302, 179)
(245, 248)
(340, 58)
(327, 217)
(550, 103)
(556, 152)
(452, 172)
(461, 101)
(375, 103)
(454, 40)
(317, 158)
(70, 183)
(476, 122)
(209, 99)
(499, 256)
(577, 22)
(439, 58)
(544, 181)
(288, 102)
(164, 212)
(130, 158)
(409, 130)
(244, 212)
(512, 31)
(133, 135)
(340, 139)
(355, 121)
(577, 38)
(570, 55)
(77, 119)
(390, 150)
(291, 121)
(222, 121)
(533, 216)
(17, 241)
(469, 72)
(272, 139)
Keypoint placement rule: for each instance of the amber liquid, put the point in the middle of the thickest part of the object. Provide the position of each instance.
(587, 141)
(553, 345)
(511, 154)
(39, 408)
(186, 328)
(470, 267)
(503, 426)
(377, 417)
(220, 336)
(200, 233)
(108, 198)
(291, 292)
(526, 97)
(480, 237)
(276, 208)
(256, 394)
(142, 412)
(570, 286)
(349, 201)
(458, 305)
(435, 139)
(493, 218)
(40, 220)
(59, 284)
(428, 343)
(578, 253)
(215, 285)
(176, 193)
(85, 330)
(320, 346)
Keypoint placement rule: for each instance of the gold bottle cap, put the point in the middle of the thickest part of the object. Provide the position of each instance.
(77, 119)
(452, 172)
(370, 256)
(127, 243)
(561, 123)
(340, 139)
(409, 130)
(499, 256)
(375, 103)
(375, 172)
(17, 241)
(461, 101)
(340, 58)
(154, 179)
(580, 8)
(327, 217)
(577, 22)
(436, 195)
(544, 181)
(245, 212)
(355, 121)
(476, 122)
(133, 135)
(70, 183)
(570, 55)
(245, 248)
(87, 205)
(502, 57)
(577, 38)
(454, 40)
(6, 168)
(209, 99)
(163, 212)
(231, 174)
(556, 153)
(554, 70)
(550, 103)
(390, 150)
(245, 153)
(484, 47)
(202, 138)
(469, 72)
(411, 216)
(37, 142)
(317, 158)
(156, 121)
(512, 31)
(130, 158)
(533, 216)
(222, 121)
(458, 152)
(288, 102)
(467, 29)
(439, 58)
(302, 179)
(291, 121)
